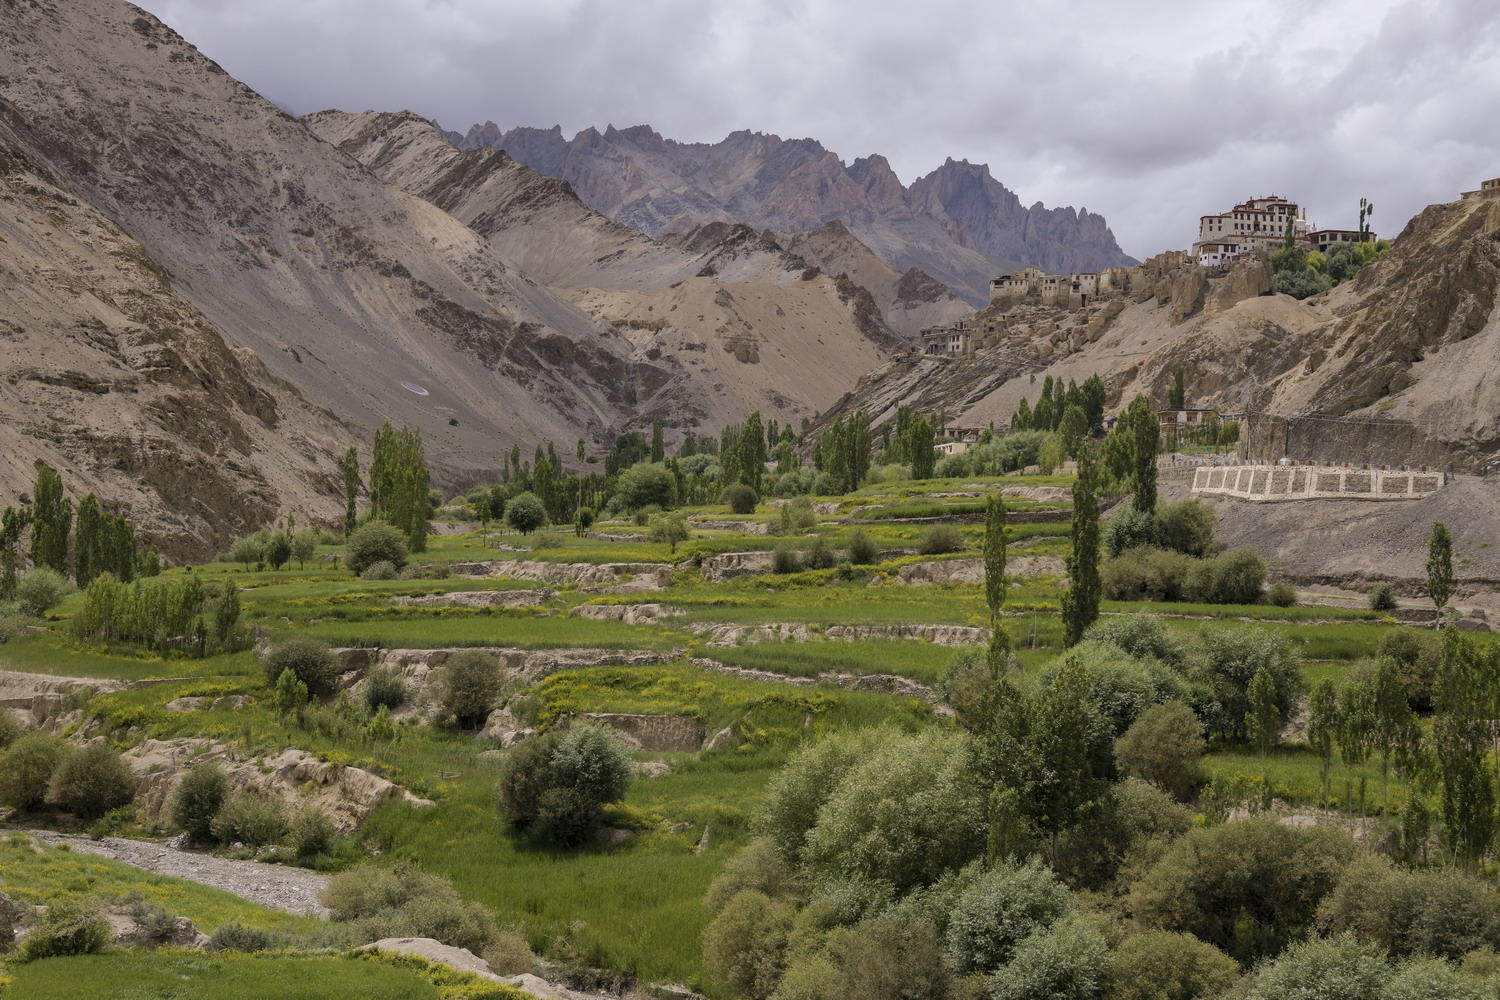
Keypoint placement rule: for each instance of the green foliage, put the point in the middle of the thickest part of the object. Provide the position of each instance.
(373, 542)
(10, 729)
(311, 833)
(555, 786)
(744, 947)
(819, 554)
(669, 530)
(239, 937)
(39, 590)
(1141, 428)
(398, 486)
(69, 926)
(940, 539)
(1417, 654)
(1130, 529)
(797, 792)
(26, 769)
(278, 549)
(51, 521)
(1162, 965)
(1442, 912)
(1165, 747)
(863, 551)
(794, 517)
(380, 901)
(1461, 739)
(998, 910)
(289, 696)
(1140, 635)
(249, 816)
(885, 957)
(1338, 968)
(1382, 597)
(198, 798)
(380, 571)
(1068, 961)
(759, 866)
(349, 473)
(1247, 887)
(385, 688)
(645, 484)
(1281, 594)
(1301, 283)
(1232, 659)
(165, 616)
(843, 451)
(525, 513)
(739, 498)
(1080, 606)
(309, 660)
(1440, 565)
(785, 559)
(468, 686)
(90, 781)
(1187, 526)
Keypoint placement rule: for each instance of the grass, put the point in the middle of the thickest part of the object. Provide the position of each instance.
(921, 661)
(431, 629)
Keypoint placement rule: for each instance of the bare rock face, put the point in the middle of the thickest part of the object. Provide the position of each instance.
(435, 951)
(630, 614)
(729, 565)
(941, 571)
(1247, 278)
(479, 599)
(634, 576)
(652, 733)
(941, 635)
(724, 634)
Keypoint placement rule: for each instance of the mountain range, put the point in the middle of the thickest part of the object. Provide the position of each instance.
(956, 224)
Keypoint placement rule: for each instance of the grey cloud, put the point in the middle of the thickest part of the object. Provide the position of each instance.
(1150, 113)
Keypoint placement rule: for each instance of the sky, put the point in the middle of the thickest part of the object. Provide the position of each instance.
(1150, 112)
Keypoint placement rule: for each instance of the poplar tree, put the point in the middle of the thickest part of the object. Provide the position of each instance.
(1145, 437)
(13, 523)
(752, 452)
(89, 541)
(1092, 396)
(1460, 739)
(1177, 395)
(1022, 420)
(51, 521)
(1322, 727)
(350, 470)
(399, 482)
(1263, 721)
(658, 447)
(1080, 606)
(921, 447)
(1440, 565)
(994, 579)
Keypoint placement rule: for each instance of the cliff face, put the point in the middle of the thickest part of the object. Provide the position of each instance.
(957, 224)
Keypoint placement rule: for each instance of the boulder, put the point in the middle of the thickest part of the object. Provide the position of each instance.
(435, 951)
(732, 634)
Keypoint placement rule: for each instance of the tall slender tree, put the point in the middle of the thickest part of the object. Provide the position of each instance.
(994, 579)
(658, 445)
(1323, 727)
(1263, 721)
(1440, 565)
(13, 524)
(1080, 606)
(349, 468)
(51, 521)
(89, 540)
(1461, 740)
(1145, 440)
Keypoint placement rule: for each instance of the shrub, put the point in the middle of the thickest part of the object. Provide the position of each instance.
(557, 788)
(1382, 597)
(645, 484)
(1068, 961)
(1443, 912)
(819, 554)
(311, 833)
(1147, 574)
(862, 548)
(744, 947)
(1417, 653)
(508, 954)
(908, 812)
(372, 542)
(381, 571)
(10, 728)
(1187, 526)
(1130, 529)
(1234, 577)
(69, 926)
(250, 817)
(26, 769)
(154, 925)
(1338, 968)
(795, 517)
(739, 498)
(757, 866)
(669, 529)
(39, 590)
(940, 539)
(385, 688)
(404, 901)
(1281, 594)
(198, 798)
(238, 937)
(91, 781)
(1120, 686)
(1164, 746)
(797, 792)
(309, 660)
(1432, 979)
(886, 958)
(1247, 887)
(525, 513)
(546, 539)
(468, 684)
(1141, 635)
(1162, 965)
(998, 910)
(785, 559)
(1233, 656)
(583, 521)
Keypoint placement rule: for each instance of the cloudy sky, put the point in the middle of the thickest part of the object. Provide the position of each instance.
(1151, 112)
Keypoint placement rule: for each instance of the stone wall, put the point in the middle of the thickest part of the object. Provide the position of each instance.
(1316, 482)
(1314, 439)
(653, 732)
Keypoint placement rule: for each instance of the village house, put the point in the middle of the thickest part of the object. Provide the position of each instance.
(1487, 189)
(1072, 290)
(954, 341)
(1260, 226)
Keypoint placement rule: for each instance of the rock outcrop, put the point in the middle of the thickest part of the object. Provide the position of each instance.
(478, 599)
(599, 576)
(728, 565)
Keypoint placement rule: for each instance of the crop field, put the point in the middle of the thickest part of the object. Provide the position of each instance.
(631, 903)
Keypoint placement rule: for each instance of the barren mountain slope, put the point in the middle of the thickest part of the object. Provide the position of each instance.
(944, 225)
(108, 375)
(371, 301)
(740, 322)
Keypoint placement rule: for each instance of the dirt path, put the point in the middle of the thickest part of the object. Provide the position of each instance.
(292, 890)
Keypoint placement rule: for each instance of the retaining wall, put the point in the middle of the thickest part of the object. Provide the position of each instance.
(1316, 482)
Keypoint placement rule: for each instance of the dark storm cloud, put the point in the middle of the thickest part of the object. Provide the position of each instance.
(1152, 113)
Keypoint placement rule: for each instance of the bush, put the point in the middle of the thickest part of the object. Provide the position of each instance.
(468, 685)
(998, 910)
(1338, 968)
(91, 781)
(1141, 635)
(794, 517)
(1068, 961)
(1281, 594)
(1130, 529)
(785, 559)
(797, 792)
(882, 958)
(69, 926)
(1443, 912)
(545, 538)
(309, 660)
(26, 769)
(739, 498)
(1417, 653)
(1233, 577)
(1382, 597)
(508, 954)
(1146, 574)
(757, 866)
(1164, 746)
(381, 571)
(819, 555)
(198, 798)
(1161, 965)
(1233, 656)
(862, 548)
(385, 688)
(372, 542)
(404, 901)
(744, 947)
(583, 520)
(311, 833)
(645, 484)
(10, 728)
(940, 539)
(39, 590)
(1248, 887)
(1187, 526)
(525, 513)
(250, 817)
(238, 937)
(556, 786)
(1120, 686)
